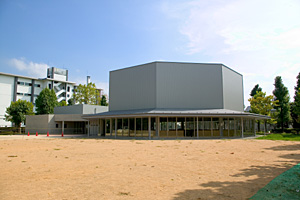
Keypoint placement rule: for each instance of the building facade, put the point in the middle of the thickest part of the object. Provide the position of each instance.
(177, 100)
(15, 87)
(66, 119)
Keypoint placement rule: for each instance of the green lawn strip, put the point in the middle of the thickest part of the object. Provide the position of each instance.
(284, 186)
(283, 136)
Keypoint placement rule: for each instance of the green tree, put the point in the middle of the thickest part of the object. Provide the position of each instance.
(45, 102)
(17, 110)
(87, 94)
(62, 103)
(262, 104)
(281, 94)
(255, 89)
(103, 101)
(71, 102)
(295, 106)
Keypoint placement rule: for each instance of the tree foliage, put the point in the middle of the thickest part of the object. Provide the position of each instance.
(62, 103)
(255, 89)
(46, 101)
(17, 110)
(281, 94)
(262, 104)
(70, 102)
(295, 106)
(103, 101)
(87, 94)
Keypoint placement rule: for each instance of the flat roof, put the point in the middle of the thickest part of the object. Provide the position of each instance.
(178, 62)
(41, 79)
(175, 112)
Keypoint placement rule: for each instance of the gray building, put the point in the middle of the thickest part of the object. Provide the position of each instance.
(66, 119)
(171, 99)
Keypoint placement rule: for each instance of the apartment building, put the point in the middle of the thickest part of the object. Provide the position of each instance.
(14, 87)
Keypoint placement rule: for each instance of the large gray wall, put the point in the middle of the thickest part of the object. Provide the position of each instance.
(233, 90)
(174, 86)
(132, 88)
(189, 85)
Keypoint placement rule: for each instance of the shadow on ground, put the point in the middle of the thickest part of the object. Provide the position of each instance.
(242, 190)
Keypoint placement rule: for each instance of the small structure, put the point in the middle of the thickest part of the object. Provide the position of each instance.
(66, 119)
(177, 100)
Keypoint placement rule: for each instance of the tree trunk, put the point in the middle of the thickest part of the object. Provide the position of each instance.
(19, 127)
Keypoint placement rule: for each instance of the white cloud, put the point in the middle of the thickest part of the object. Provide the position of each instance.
(30, 68)
(259, 39)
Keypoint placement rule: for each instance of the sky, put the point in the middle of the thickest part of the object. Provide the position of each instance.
(259, 39)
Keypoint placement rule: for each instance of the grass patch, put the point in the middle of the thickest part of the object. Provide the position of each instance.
(283, 136)
(56, 149)
(12, 156)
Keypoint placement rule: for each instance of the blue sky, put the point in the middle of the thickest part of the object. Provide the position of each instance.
(260, 39)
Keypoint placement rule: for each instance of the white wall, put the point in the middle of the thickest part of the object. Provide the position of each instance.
(6, 96)
(233, 90)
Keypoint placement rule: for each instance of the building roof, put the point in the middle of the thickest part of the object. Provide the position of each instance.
(175, 112)
(41, 79)
(179, 63)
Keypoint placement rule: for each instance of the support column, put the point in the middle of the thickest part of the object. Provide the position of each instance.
(197, 128)
(265, 132)
(157, 126)
(63, 127)
(110, 127)
(122, 127)
(176, 128)
(149, 127)
(242, 124)
(254, 127)
(116, 127)
(184, 126)
(134, 127)
(167, 126)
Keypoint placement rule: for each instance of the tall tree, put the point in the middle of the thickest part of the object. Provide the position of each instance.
(255, 89)
(62, 103)
(46, 101)
(103, 101)
(17, 110)
(87, 94)
(281, 94)
(262, 104)
(295, 106)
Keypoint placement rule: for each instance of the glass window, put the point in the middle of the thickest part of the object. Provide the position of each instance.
(216, 126)
(207, 127)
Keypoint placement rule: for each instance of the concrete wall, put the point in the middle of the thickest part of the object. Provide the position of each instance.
(6, 96)
(189, 85)
(233, 90)
(133, 88)
(80, 109)
(41, 124)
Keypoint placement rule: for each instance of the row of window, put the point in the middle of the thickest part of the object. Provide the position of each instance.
(26, 94)
(28, 84)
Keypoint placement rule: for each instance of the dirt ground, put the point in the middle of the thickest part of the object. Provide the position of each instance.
(140, 169)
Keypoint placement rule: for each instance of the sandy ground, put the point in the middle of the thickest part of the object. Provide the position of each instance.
(44, 168)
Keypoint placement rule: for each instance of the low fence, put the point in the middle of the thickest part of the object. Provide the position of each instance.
(55, 130)
(11, 130)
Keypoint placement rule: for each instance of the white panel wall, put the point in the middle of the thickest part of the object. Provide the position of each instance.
(6, 96)
(233, 90)
(132, 88)
(189, 85)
